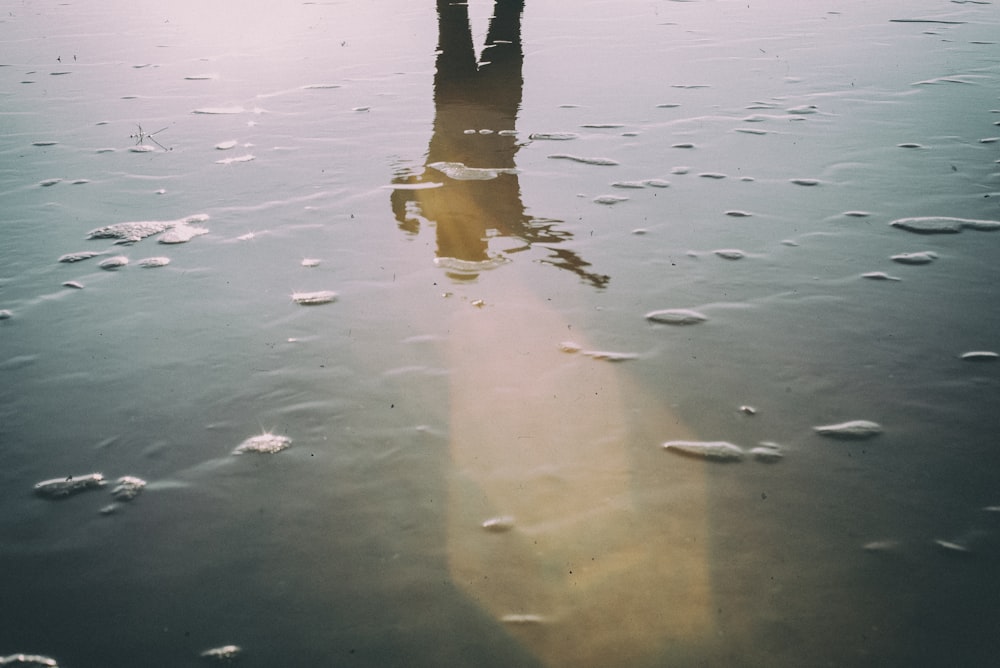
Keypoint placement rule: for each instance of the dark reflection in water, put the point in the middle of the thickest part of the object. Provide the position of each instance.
(473, 148)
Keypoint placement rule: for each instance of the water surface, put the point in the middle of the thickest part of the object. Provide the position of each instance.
(489, 203)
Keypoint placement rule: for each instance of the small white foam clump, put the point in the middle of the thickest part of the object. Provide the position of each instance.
(240, 158)
(138, 230)
(553, 136)
(114, 262)
(944, 225)
(522, 619)
(854, 429)
(310, 262)
(460, 172)
(226, 145)
(677, 316)
(78, 257)
(28, 661)
(720, 451)
(730, 253)
(153, 262)
(609, 199)
(127, 488)
(223, 654)
(499, 524)
(767, 452)
(980, 356)
(314, 298)
(182, 234)
(58, 488)
(919, 257)
(267, 444)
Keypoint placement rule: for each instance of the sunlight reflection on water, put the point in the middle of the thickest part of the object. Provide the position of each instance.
(405, 294)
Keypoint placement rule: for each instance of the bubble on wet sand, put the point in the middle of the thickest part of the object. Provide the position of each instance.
(127, 488)
(633, 185)
(49, 182)
(909, 145)
(806, 182)
(113, 263)
(223, 654)
(314, 298)
(730, 254)
(142, 148)
(77, 285)
(919, 257)
(248, 157)
(320, 86)
(712, 175)
(609, 199)
(680, 169)
(499, 524)
(6, 314)
(60, 488)
(44, 142)
(77, 257)
(880, 276)
(857, 214)
(677, 316)
(944, 225)
(266, 443)
(28, 661)
(607, 162)
(460, 172)
(310, 262)
(226, 145)
(737, 213)
(553, 136)
(719, 451)
(153, 262)
(980, 356)
(851, 430)
(751, 131)
(603, 126)
(136, 231)
(684, 144)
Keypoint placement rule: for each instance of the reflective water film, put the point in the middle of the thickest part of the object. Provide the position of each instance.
(501, 333)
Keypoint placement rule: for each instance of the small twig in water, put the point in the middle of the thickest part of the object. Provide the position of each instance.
(141, 136)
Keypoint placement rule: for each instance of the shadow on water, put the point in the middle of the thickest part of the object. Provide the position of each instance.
(470, 164)
(560, 524)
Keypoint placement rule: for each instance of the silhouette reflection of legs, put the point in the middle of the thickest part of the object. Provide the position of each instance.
(597, 555)
(470, 188)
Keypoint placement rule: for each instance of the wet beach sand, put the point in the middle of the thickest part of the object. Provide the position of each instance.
(633, 333)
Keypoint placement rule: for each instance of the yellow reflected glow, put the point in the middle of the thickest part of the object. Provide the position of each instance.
(566, 523)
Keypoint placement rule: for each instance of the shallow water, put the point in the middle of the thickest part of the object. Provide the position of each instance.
(475, 411)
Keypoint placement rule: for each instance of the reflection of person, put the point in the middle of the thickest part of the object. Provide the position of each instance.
(473, 146)
(564, 522)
